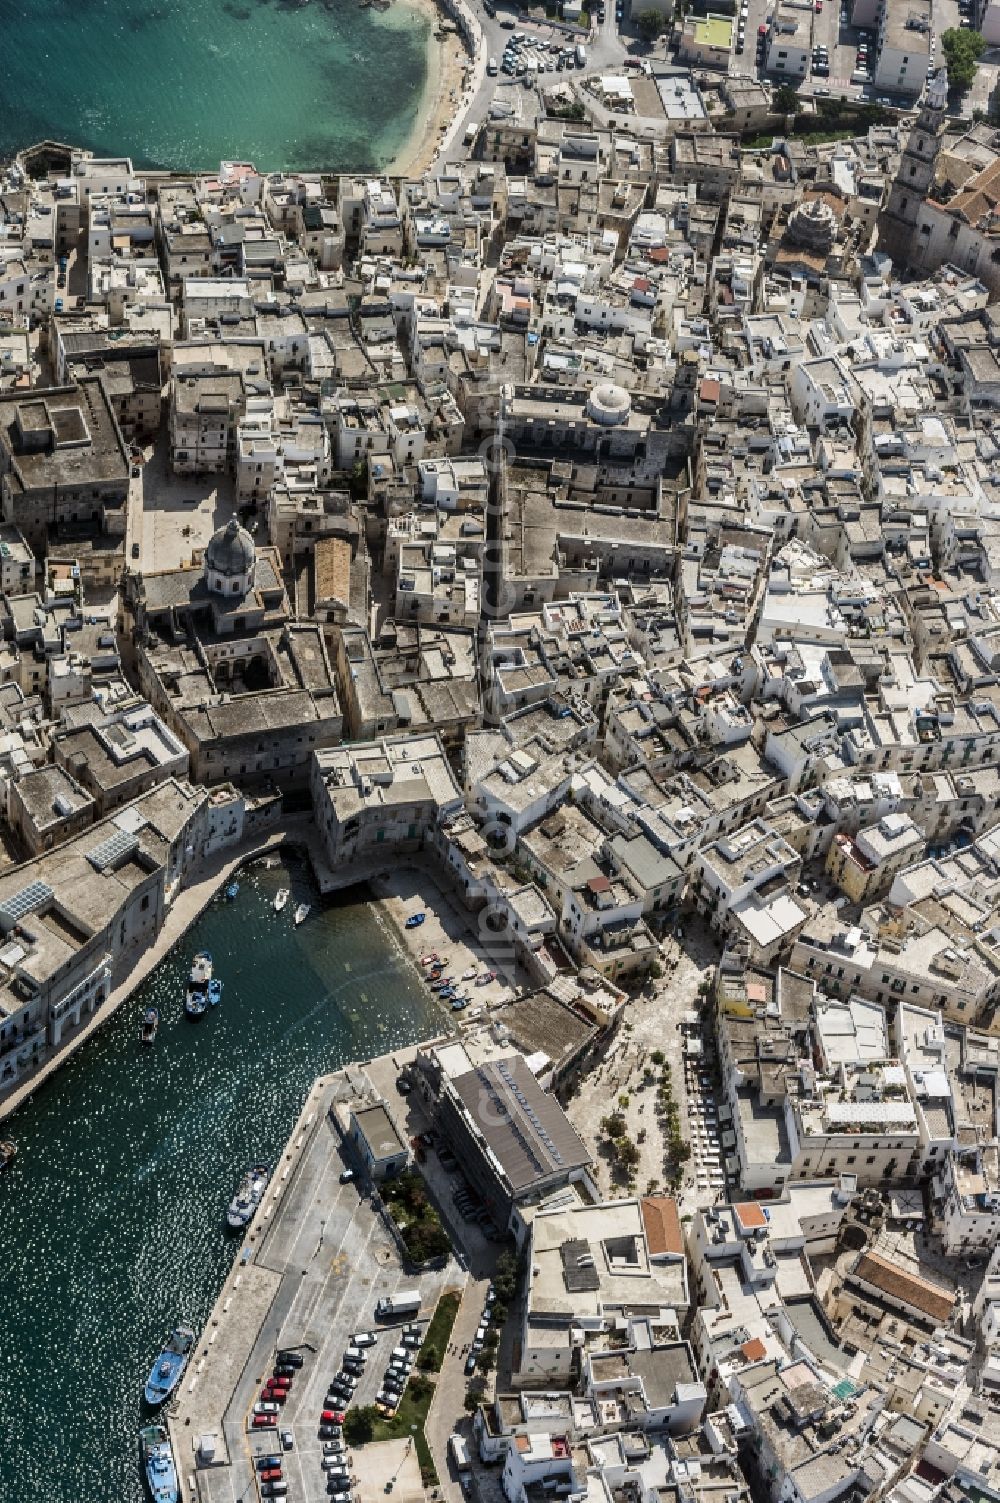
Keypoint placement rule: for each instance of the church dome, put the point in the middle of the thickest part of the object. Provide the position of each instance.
(231, 551)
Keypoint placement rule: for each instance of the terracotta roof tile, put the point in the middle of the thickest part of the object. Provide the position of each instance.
(662, 1224)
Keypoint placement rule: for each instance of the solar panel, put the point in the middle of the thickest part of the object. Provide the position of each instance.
(113, 851)
(26, 901)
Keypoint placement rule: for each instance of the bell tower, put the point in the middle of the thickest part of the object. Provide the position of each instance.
(898, 221)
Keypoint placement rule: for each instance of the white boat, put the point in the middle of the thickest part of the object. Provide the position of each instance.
(249, 1194)
(302, 913)
(281, 898)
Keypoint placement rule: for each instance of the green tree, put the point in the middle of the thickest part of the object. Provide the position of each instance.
(359, 1425)
(786, 100)
(962, 50)
(651, 25)
(359, 480)
(627, 1153)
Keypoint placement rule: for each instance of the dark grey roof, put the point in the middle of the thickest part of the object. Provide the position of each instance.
(231, 550)
(579, 1278)
(525, 1128)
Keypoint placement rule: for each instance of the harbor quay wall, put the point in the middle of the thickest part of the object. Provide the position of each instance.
(187, 907)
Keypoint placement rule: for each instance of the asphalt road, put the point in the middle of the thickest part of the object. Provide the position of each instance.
(605, 51)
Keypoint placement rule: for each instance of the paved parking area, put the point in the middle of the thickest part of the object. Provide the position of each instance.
(171, 515)
(327, 1257)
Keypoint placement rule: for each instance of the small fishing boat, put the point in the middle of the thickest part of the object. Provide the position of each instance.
(437, 986)
(281, 898)
(8, 1153)
(214, 992)
(169, 1365)
(249, 1194)
(158, 1463)
(150, 1023)
(468, 975)
(459, 1003)
(415, 920)
(486, 978)
(302, 913)
(232, 891)
(196, 997)
(430, 959)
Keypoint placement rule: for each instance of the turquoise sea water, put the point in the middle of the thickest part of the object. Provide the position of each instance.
(111, 1220)
(186, 83)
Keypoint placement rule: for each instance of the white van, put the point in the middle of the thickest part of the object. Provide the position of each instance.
(459, 1453)
(491, 67)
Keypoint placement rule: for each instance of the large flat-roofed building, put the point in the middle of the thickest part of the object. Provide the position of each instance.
(514, 1141)
(381, 796)
(70, 916)
(62, 461)
(598, 1268)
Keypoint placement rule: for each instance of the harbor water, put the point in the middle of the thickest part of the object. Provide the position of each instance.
(112, 1218)
(184, 84)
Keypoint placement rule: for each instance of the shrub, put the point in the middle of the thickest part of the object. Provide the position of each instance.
(359, 1425)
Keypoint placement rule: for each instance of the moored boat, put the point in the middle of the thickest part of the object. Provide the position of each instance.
(8, 1153)
(196, 998)
(302, 913)
(486, 978)
(214, 992)
(415, 920)
(158, 1463)
(232, 891)
(150, 1023)
(281, 898)
(169, 1365)
(249, 1194)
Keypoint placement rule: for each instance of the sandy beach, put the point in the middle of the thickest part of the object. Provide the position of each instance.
(447, 62)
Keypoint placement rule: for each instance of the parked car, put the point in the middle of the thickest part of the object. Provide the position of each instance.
(364, 1338)
(263, 1421)
(470, 1364)
(265, 1406)
(332, 1417)
(263, 1462)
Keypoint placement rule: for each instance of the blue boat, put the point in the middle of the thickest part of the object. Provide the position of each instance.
(169, 1365)
(196, 997)
(158, 1464)
(232, 891)
(214, 993)
(415, 920)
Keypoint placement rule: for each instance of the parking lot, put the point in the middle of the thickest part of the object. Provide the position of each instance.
(326, 1257)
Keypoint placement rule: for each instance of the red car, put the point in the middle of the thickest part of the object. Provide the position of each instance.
(332, 1417)
(273, 1395)
(277, 1382)
(262, 1421)
(762, 31)
(273, 1474)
